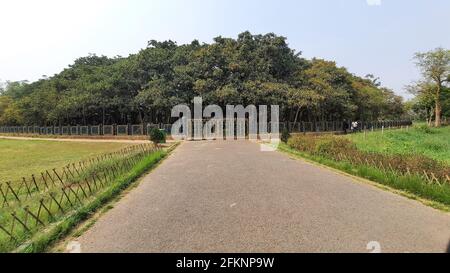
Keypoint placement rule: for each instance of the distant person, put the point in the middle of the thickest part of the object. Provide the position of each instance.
(354, 126)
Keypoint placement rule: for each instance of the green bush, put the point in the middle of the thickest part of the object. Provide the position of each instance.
(285, 135)
(425, 129)
(157, 136)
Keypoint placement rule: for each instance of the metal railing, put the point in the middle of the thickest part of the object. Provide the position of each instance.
(241, 124)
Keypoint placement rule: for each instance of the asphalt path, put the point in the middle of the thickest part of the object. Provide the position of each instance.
(228, 196)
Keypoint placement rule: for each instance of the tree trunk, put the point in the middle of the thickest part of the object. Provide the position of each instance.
(103, 115)
(84, 116)
(438, 114)
(438, 109)
(430, 120)
(141, 119)
(296, 115)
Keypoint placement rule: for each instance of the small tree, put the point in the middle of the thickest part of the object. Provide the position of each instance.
(157, 136)
(435, 67)
(424, 101)
(285, 135)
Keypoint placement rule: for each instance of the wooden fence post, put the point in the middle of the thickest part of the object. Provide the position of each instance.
(13, 192)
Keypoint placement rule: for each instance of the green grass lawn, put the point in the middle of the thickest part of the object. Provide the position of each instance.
(433, 142)
(20, 158)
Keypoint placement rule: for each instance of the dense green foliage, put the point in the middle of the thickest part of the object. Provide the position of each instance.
(252, 69)
(157, 135)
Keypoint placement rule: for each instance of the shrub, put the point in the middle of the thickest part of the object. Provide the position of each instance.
(303, 143)
(333, 145)
(285, 135)
(425, 129)
(157, 136)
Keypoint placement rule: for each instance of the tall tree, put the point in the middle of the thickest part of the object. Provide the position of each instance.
(435, 67)
(143, 87)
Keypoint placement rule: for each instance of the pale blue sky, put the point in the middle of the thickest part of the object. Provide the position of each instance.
(42, 37)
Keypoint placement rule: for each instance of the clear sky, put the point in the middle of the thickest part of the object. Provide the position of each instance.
(366, 36)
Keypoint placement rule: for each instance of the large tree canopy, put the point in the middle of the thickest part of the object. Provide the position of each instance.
(252, 69)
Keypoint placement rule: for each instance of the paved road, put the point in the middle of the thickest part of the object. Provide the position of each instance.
(230, 197)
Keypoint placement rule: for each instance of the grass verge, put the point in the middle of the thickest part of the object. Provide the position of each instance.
(19, 158)
(412, 187)
(42, 241)
(420, 139)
